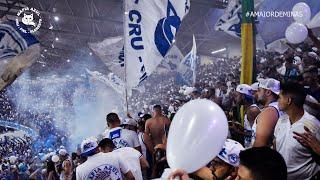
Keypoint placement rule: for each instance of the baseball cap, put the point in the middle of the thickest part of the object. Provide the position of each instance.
(244, 89)
(270, 84)
(230, 152)
(255, 86)
(62, 152)
(88, 146)
(129, 121)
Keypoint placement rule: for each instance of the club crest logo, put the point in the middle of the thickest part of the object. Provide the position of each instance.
(30, 20)
(166, 30)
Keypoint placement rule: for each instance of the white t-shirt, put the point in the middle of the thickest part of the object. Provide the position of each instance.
(123, 137)
(132, 158)
(254, 126)
(300, 163)
(143, 145)
(102, 166)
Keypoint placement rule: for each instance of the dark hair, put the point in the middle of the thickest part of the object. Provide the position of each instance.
(146, 117)
(157, 107)
(296, 91)
(112, 118)
(106, 143)
(264, 163)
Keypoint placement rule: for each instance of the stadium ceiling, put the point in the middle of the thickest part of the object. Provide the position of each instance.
(68, 25)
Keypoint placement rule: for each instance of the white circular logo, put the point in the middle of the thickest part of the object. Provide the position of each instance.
(30, 20)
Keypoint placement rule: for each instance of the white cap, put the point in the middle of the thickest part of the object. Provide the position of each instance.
(230, 152)
(314, 49)
(62, 152)
(255, 86)
(88, 145)
(270, 84)
(298, 49)
(297, 60)
(244, 89)
(130, 121)
(312, 54)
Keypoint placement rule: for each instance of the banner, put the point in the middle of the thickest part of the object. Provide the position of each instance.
(230, 21)
(112, 81)
(187, 67)
(172, 59)
(110, 51)
(18, 51)
(150, 28)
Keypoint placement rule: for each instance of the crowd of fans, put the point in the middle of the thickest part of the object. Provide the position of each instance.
(280, 110)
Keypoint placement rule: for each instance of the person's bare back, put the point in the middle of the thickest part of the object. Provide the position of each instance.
(155, 128)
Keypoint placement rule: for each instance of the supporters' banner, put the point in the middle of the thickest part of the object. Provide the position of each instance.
(187, 67)
(18, 51)
(112, 80)
(172, 59)
(150, 28)
(230, 21)
(110, 51)
(274, 28)
(19, 127)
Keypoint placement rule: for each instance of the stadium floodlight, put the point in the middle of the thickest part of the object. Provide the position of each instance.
(220, 50)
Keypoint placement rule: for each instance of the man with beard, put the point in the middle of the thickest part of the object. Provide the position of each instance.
(265, 122)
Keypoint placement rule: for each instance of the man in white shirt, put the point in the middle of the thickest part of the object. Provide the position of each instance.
(244, 96)
(264, 124)
(101, 165)
(121, 137)
(132, 157)
(299, 160)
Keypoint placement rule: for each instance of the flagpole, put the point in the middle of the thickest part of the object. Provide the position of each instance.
(124, 52)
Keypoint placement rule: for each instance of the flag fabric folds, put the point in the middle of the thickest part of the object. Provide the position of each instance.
(149, 29)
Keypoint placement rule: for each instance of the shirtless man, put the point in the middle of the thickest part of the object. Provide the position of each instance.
(155, 127)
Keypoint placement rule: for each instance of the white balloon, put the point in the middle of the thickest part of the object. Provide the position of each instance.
(301, 13)
(55, 158)
(197, 134)
(296, 33)
(315, 22)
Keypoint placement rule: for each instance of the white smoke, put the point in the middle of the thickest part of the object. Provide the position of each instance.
(80, 117)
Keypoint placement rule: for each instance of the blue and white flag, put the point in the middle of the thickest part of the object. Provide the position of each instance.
(110, 80)
(172, 59)
(110, 51)
(150, 26)
(230, 21)
(187, 67)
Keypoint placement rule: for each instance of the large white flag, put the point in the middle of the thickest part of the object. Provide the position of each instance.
(150, 27)
(110, 51)
(112, 81)
(187, 67)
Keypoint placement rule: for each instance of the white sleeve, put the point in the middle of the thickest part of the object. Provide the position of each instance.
(124, 168)
(78, 175)
(135, 140)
